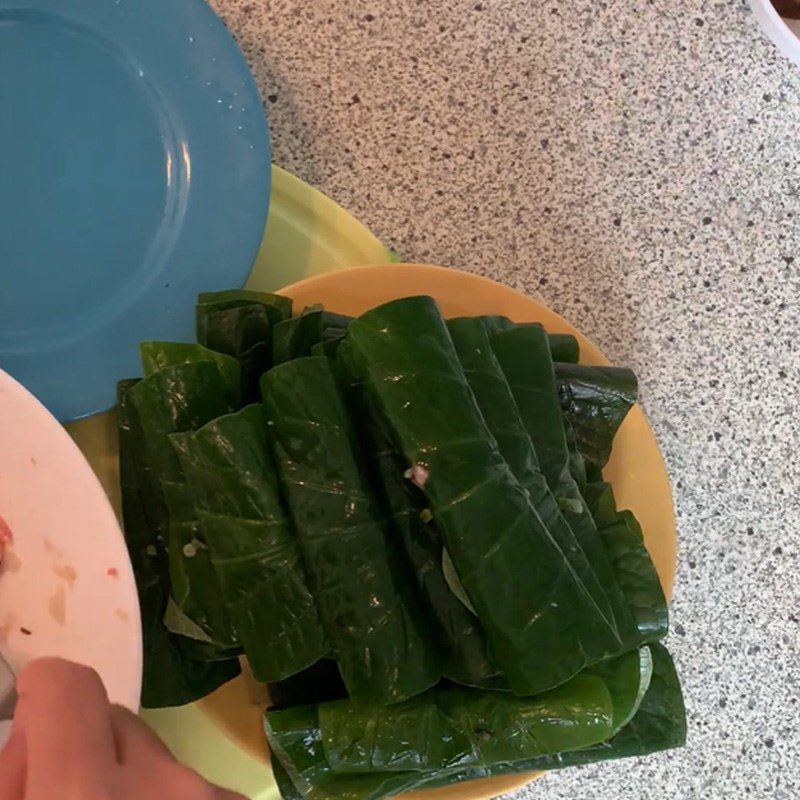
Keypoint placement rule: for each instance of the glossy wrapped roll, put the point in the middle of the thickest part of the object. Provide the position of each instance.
(456, 727)
(541, 622)
(254, 551)
(365, 599)
(595, 401)
(457, 631)
(524, 355)
(294, 338)
(658, 724)
(496, 402)
(170, 677)
(239, 323)
(623, 540)
(173, 400)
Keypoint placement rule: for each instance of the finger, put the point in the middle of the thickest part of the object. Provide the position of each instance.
(224, 794)
(65, 716)
(12, 766)
(136, 742)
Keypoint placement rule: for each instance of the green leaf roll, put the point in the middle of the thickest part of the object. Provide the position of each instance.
(499, 409)
(623, 540)
(170, 677)
(239, 324)
(659, 724)
(172, 400)
(535, 611)
(277, 306)
(295, 741)
(524, 355)
(254, 552)
(457, 630)
(295, 337)
(455, 726)
(564, 347)
(363, 596)
(627, 679)
(159, 355)
(595, 400)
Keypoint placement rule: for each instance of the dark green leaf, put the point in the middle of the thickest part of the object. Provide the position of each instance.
(524, 355)
(159, 355)
(295, 742)
(254, 552)
(172, 400)
(457, 630)
(241, 326)
(564, 347)
(533, 608)
(287, 789)
(454, 726)
(499, 409)
(495, 323)
(577, 466)
(294, 338)
(595, 400)
(243, 332)
(362, 593)
(659, 724)
(623, 540)
(627, 678)
(277, 306)
(170, 677)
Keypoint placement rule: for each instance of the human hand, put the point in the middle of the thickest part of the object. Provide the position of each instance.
(69, 742)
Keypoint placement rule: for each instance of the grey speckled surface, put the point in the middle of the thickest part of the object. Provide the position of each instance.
(639, 173)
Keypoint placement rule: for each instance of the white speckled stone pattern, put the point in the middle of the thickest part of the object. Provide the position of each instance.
(638, 171)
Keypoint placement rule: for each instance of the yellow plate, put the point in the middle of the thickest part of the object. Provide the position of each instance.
(308, 234)
(636, 469)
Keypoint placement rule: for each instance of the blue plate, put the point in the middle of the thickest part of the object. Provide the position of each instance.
(134, 173)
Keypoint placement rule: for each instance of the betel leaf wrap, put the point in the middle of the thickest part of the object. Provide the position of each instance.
(564, 347)
(524, 355)
(170, 677)
(363, 595)
(254, 552)
(528, 598)
(294, 338)
(659, 724)
(623, 540)
(277, 306)
(595, 400)
(496, 403)
(159, 355)
(455, 726)
(173, 400)
(239, 323)
(295, 742)
(457, 630)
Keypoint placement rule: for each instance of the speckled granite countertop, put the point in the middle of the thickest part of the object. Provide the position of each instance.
(638, 172)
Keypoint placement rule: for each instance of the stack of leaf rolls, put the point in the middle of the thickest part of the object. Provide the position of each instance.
(401, 522)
